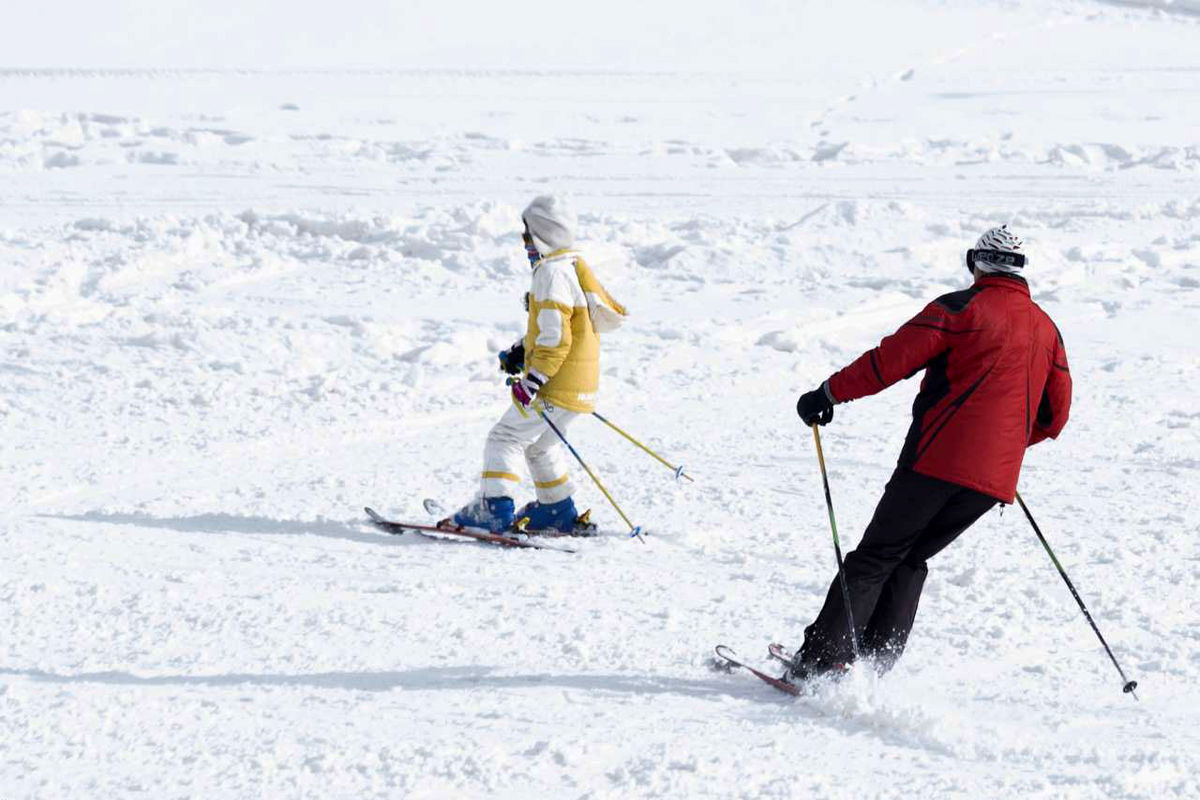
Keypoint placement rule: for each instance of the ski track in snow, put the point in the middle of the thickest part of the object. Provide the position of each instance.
(236, 307)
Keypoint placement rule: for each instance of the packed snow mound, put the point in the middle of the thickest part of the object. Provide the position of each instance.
(1182, 7)
(39, 140)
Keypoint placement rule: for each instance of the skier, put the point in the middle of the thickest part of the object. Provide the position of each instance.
(560, 358)
(996, 382)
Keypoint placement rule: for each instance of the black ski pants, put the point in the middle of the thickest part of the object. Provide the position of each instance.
(916, 517)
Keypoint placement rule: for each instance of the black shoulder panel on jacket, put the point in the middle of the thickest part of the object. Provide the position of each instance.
(1061, 343)
(956, 302)
(1053, 324)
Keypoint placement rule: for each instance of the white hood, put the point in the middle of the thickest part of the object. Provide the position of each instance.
(551, 222)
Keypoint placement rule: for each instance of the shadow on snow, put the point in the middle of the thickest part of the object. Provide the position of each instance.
(766, 703)
(232, 523)
(431, 679)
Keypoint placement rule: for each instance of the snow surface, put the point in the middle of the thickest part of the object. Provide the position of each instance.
(238, 304)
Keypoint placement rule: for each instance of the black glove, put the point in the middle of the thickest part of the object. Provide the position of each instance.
(512, 360)
(815, 407)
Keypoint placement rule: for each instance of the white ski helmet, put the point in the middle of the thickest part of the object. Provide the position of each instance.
(551, 222)
(998, 250)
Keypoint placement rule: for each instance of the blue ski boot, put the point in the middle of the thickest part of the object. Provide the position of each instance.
(493, 514)
(558, 516)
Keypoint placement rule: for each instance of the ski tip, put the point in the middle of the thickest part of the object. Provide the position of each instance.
(725, 659)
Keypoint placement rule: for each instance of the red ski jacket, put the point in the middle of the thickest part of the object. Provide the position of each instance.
(996, 381)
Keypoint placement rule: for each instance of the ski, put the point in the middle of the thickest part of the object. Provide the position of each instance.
(584, 527)
(730, 658)
(438, 532)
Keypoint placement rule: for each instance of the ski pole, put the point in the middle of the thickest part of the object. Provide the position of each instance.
(1128, 686)
(837, 547)
(634, 530)
(679, 473)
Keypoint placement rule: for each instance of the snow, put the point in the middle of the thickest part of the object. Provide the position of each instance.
(248, 288)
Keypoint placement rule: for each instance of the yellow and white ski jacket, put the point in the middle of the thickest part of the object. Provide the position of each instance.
(567, 308)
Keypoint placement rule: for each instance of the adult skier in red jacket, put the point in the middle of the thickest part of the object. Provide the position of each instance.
(996, 381)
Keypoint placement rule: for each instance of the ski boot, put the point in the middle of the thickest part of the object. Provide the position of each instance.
(805, 675)
(494, 514)
(559, 517)
(801, 674)
(796, 672)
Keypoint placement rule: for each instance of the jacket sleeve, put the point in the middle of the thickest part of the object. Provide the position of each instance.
(551, 301)
(897, 357)
(1055, 405)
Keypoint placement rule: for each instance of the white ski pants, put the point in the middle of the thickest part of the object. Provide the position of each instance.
(526, 434)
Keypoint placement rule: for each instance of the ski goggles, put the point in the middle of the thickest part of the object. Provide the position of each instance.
(1000, 258)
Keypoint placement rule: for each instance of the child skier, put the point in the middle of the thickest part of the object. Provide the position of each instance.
(560, 358)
